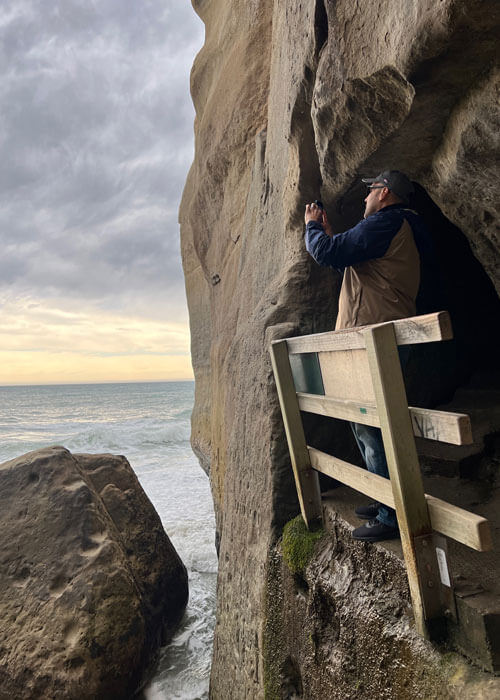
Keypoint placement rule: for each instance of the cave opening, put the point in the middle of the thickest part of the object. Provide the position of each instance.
(471, 298)
(461, 375)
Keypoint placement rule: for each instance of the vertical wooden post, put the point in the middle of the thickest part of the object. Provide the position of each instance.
(404, 471)
(306, 478)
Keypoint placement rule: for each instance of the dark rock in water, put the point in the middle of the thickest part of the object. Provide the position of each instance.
(90, 585)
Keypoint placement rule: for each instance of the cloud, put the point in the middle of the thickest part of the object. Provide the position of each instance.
(36, 325)
(43, 343)
(95, 142)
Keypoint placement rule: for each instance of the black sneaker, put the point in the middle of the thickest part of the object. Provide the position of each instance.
(368, 512)
(375, 531)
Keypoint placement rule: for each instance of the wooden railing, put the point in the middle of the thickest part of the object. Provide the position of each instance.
(355, 375)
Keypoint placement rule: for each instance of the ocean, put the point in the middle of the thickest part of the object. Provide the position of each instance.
(149, 423)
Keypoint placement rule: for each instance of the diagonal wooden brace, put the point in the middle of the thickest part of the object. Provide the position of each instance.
(404, 470)
(306, 478)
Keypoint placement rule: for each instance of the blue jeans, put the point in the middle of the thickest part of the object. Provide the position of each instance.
(371, 446)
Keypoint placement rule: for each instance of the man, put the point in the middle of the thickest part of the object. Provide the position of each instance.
(389, 273)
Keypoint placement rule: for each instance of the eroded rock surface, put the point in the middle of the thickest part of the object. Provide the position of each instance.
(342, 628)
(90, 585)
(296, 101)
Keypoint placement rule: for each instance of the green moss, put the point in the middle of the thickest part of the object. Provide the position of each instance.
(296, 550)
(298, 544)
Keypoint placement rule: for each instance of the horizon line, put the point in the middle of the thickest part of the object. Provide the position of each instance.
(132, 381)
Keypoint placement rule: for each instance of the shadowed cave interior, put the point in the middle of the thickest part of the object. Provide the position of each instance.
(461, 376)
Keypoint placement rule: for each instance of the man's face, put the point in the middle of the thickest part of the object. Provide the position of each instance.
(372, 199)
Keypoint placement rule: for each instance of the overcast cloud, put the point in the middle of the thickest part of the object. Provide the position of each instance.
(96, 141)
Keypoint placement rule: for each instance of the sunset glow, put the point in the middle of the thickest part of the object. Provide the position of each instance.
(97, 140)
(42, 344)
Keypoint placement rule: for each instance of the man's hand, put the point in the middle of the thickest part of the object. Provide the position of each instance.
(315, 213)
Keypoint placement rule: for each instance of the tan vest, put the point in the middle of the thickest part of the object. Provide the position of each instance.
(382, 289)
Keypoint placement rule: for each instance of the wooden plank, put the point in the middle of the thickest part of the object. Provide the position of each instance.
(409, 331)
(443, 426)
(345, 409)
(454, 522)
(459, 524)
(346, 375)
(404, 470)
(306, 479)
(376, 487)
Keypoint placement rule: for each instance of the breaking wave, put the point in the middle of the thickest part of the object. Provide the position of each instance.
(149, 423)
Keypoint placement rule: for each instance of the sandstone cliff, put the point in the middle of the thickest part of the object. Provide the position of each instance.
(90, 585)
(296, 101)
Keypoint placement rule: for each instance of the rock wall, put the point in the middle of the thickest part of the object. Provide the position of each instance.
(341, 627)
(295, 101)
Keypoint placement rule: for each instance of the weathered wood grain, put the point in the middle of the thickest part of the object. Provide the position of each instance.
(454, 522)
(442, 426)
(409, 331)
(306, 479)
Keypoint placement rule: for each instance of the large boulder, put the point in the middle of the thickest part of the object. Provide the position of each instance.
(90, 585)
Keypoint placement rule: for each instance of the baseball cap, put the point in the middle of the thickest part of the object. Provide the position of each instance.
(395, 180)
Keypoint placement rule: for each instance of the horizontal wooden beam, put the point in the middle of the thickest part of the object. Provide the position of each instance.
(454, 428)
(458, 524)
(443, 426)
(409, 331)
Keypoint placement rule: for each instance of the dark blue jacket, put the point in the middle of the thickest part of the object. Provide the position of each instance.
(389, 266)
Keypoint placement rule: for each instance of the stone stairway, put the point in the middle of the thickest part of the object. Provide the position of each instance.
(477, 461)
(469, 476)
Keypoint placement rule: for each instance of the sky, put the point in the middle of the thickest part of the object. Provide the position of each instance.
(96, 139)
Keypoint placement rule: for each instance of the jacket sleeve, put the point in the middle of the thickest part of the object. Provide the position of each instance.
(369, 239)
